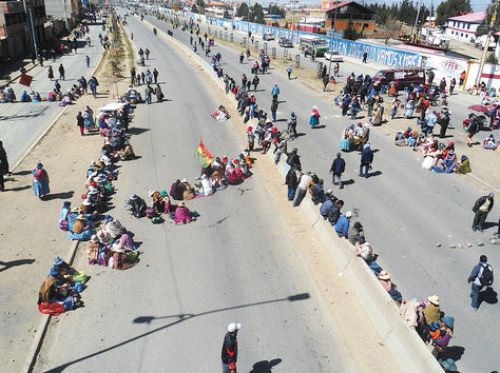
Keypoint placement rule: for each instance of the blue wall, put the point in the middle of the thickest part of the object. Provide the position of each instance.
(381, 54)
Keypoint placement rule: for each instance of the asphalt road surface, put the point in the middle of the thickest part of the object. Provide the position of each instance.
(236, 263)
(22, 123)
(406, 211)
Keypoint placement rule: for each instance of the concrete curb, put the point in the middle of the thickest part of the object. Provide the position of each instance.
(70, 257)
(405, 344)
(49, 127)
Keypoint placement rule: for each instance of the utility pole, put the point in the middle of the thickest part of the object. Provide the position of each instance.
(415, 26)
(293, 2)
(29, 17)
(330, 49)
(248, 26)
(487, 42)
(66, 23)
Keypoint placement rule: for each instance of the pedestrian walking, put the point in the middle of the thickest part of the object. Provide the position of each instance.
(289, 71)
(337, 169)
(292, 126)
(61, 72)
(229, 354)
(275, 91)
(365, 56)
(80, 122)
(366, 160)
(482, 207)
(326, 80)
(40, 181)
(87, 60)
(394, 107)
(4, 166)
(250, 138)
(463, 75)
(336, 70)
(481, 275)
(453, 84)
(147, 94)
(255, 82)
(281, 148)
(444, 121)
(57, 86)
(274, 107)
(132, 76)
(155, 75)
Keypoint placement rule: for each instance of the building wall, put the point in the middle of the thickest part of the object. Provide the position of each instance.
(461, 30)
(367, 26)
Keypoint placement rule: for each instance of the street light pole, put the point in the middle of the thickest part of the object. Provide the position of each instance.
(487, 42)
(330, 49)
(248, 26)
(32, 27)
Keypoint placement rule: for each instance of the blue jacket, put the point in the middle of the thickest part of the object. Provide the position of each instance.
(275, 91)
(325, 207)
(342, 226)
(367, 156)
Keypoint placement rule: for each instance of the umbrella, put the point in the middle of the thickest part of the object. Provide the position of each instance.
(479, 108)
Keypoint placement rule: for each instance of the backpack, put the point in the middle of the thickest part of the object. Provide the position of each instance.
(486, 278)
(479, 202)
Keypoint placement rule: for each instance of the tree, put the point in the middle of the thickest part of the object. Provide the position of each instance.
(451, 8)
(242, 11)
(257, 14)
(226, 14)
(485, 24)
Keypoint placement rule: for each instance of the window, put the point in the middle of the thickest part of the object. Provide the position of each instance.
(366, 25)
(468, 26)
(461, 34)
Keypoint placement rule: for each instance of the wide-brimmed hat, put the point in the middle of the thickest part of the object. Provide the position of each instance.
(184, 180)
(384, 275)
(231, 328)
(434, 299)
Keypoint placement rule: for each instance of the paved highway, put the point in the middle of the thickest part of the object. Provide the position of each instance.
(234, 264)
(22, 123)
(406, 212)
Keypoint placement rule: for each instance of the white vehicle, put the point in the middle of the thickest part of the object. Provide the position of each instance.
(334, 56)
(268, 36)
(481, 42)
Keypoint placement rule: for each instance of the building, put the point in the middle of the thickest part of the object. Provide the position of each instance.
(464, 27)
(15, 31)
(67, 10)
(341, 13)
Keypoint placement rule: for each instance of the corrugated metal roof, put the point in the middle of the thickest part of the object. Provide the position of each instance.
(476, 17)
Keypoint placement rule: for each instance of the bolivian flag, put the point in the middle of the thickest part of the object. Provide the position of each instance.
(204, 156)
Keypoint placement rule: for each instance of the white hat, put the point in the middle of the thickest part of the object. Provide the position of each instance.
(434, 299)
(184, 180)
(384, 275)
(231, 328)
(87, 203)
(348, 214)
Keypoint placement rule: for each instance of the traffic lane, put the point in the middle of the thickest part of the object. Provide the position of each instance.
(381, 211)
(22, 123)
(213, 271)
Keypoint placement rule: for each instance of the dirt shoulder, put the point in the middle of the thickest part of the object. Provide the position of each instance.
(29, 233)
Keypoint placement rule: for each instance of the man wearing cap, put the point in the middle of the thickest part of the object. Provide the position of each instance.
(337, 169)
(482, 207)
(229, 354)
(342, 225)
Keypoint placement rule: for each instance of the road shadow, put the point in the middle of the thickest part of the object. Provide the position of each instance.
(18, 189)
(15, 263)
(22, 173)
(452, 352)
(489, 224)
(375, 173)
(265, 366)
(319, 126)
(63, 195)
(179, 318)
(348, 182)
(137, 130)
(488, 295)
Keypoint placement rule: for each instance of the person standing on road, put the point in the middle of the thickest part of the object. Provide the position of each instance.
(365, 56)
(326, 80)
(481, 275)
(275, 91)
(336, 70)
(93, 83)
(147, 94)
(255, 82)
(292, 126)
(229, 354)
(292, 181)
(444, 121)
(61, 72)
(4, 166)
(155, 75)
(87, 60)
(132, 76)
(366, 160)
(40, 181)
(80, 122)
(463, 75)
(274, 108)
(482, 207)
(289, 71)
(337, 169)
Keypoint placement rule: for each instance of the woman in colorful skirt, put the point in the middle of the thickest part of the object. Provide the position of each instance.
(40, 181)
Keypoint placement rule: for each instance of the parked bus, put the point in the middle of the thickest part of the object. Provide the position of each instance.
(316, 43)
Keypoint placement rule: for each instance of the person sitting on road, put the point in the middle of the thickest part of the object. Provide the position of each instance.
(356, 233)
(25, 97)
(490, 143)
(182, 214)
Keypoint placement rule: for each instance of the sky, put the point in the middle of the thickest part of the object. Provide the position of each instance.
(477, 5)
